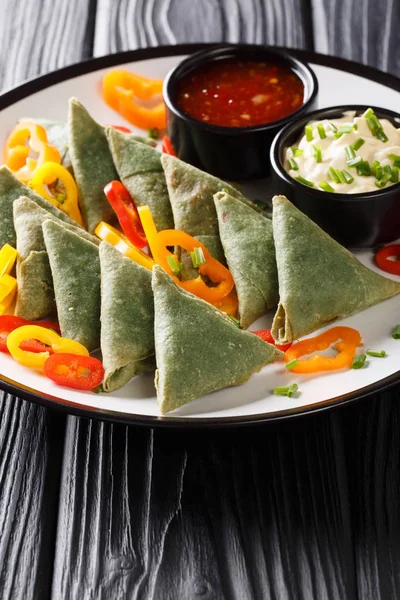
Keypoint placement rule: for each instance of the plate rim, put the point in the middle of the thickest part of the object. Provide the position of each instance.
(90, 65)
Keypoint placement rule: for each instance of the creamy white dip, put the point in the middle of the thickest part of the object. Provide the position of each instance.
(333, 153)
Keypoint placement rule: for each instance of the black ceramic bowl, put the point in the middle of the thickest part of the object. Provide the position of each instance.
(231, 152)
(354, 220)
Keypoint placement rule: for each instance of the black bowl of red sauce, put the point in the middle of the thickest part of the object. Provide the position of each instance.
(226, 104)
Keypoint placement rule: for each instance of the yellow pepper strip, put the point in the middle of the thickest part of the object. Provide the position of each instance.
(8, 290)
(16, 151)
(107, 232)
(121, 88)
(47, 174)
(8, 256)
(36, 360)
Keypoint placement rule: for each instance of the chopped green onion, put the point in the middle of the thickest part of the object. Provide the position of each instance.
(317, 153)
(304, 181)
(376, 353)
(324, 185)
(321, 131)
(395, 174)
(358, 361)
(380, 183)
(375, 125)
(355, 161)
(61, 198)
(234, 321)
(368, 113)
(293, 164)
(363, 168)
(349, 178)
(341, 176)
(382, 136)
(333, 175)
(344, 129)
(377, 169)
(349, 152)
(175, 267)
(396, 333)
(197, 257)
(289, 390)
(309, 133)
(153, 133)
(296, 151)
(396, 159)
(291, 364)
(388, 170)
(358, 143)
(333, 127)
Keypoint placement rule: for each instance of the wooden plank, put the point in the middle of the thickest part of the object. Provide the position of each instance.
(129, 24)
(259, 513)
(35, 37)
(360, 31)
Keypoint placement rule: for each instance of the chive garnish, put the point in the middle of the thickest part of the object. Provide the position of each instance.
(153, 133)
(333, 175)
(291, 364)
(296, 151)
(368, 113)
(234, 321)
(197, 257)
(293, 164)
(349, 178)
(309, 133)
(317, 153)
(358, 143)
(61, 198)
(289, 390)
(353, 162)
(344, 129)
(341, 176)
(358, 361)
(363, 168)
(324, 185)
(375, 125)
(396, 159)
(175, 267)
(376, 353)
(396, 333)
(395, 174)
(321, 131)
(380, 183)
(304, 181)
(333, 127)
(382, 136)
(349, 152)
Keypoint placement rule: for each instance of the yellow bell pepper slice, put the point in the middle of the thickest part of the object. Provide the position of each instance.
(8, 290)
(36, 360)
(8, 256)
(107, 232)
(16, 151)
(47, 174)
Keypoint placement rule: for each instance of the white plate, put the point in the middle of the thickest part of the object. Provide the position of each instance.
(338, 84)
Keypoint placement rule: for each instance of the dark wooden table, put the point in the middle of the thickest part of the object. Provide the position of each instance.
(308, 508)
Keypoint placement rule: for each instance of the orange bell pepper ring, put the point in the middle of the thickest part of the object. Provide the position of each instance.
(347, 341)
(121, 88)
(17, 150)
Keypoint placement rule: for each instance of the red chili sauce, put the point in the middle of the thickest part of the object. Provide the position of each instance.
(242, 93)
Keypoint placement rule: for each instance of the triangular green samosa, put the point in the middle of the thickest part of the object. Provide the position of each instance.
(139, 168)
(198, 348)
(92, 163)
(11, 189)
(127, 318)
(319, 280)
(35, 298)
(75, 267)
(249, 248)
(191, 194)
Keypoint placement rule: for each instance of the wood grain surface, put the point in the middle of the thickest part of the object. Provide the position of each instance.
(304, 509)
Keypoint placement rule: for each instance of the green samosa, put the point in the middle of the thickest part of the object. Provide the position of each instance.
(11, 189)
(75, 268)
(92, 163)
(127, 318)
(191, 194)
(198, 348)
(35, 298)
(248, 244)
(319, 280)
(140, 170)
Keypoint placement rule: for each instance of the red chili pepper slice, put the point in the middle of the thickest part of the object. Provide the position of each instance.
(74, 371)
(35, 346)
(383, 257)
(120, 128)
(126, 211)
(266, 336)
(8, 323)
(167, 147)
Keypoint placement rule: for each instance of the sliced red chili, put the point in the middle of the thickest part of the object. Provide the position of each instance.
(9, 322)
(120, 128)
(266, 336)
(167, 147)
(384, 259)
(126, 211)
(74, 371)
(31, 345)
